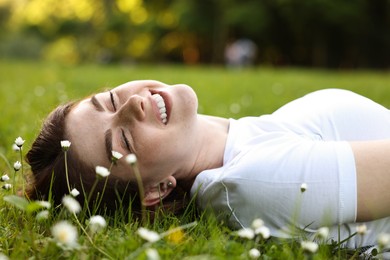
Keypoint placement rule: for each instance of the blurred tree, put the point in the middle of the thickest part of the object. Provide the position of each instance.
(323, 33)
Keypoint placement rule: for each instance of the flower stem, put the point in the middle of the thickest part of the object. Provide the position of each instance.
(112, 163)
(104, 188)
(101, 196)
(66, 170)
(141, 192)
(91, 191)
(22, 171)
(90, 239)
(14, 182)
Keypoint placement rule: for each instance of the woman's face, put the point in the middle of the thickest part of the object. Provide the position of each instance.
(155, 121)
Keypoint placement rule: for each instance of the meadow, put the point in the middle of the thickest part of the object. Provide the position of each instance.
(29, 90)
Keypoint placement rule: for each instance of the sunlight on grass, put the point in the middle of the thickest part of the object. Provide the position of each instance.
(29, 90)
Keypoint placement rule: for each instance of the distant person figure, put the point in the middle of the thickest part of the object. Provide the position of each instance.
(240, 53)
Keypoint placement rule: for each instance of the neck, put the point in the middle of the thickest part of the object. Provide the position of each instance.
(212, 140)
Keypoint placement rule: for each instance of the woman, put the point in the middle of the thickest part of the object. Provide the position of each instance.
(333, 141)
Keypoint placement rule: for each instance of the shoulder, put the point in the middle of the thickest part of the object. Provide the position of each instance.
(324, 98)
(334, 98)
(330, 93)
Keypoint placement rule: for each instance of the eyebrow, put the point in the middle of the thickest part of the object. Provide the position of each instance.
(108, 134)
(95, 102)
(108, 143)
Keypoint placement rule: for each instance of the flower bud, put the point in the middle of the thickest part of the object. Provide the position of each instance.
(116, 156)
(102, 171)
(19, 142)
(65, 144)
(5, 177)
(17, 166)
(303, 187)
(131, 159)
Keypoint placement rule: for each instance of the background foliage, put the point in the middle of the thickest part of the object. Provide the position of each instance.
(321, 33)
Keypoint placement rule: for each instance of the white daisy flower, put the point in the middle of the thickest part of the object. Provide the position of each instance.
(309, 246)
(97, 223)
(15, 148)
(263, 231)
(3, 257)
(254, 253)
(17, 166)
(361, 229)
(42, 215)
(102, 171)
(72, 205)
(74, 192)
(5, 177)
(152, 254)
(44, 204)
(116, 155)
(65, 144)
(148, 235)
(257, 223)
(303, 187)
(131, 158)
(19, 141)
(7, 186)
(246, 233)
(65, 234)
(384, 239)
(323, 232)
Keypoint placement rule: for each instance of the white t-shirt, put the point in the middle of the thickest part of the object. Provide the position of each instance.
(268, 158)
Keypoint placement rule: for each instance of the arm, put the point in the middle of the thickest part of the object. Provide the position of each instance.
(373, 179)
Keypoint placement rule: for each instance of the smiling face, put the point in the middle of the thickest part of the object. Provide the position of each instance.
(155, 121)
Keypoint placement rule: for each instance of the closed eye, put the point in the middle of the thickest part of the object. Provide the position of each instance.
(126, 141)
(112, 100)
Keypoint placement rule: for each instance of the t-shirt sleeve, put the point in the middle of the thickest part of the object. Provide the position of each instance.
(336, 114)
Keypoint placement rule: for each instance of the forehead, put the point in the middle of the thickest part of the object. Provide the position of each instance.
(86, 127)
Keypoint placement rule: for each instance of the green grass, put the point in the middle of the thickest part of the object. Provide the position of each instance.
(29, 90)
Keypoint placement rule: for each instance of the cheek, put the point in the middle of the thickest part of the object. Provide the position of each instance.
(161, 149)
(153, 150)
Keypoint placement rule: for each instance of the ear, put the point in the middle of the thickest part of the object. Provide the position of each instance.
(154, 194)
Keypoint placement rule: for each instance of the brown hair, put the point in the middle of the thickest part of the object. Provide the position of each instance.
(48, 181)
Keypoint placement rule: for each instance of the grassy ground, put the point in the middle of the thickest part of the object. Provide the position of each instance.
(29, 90)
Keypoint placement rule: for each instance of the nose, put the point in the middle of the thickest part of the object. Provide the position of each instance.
(133, 108)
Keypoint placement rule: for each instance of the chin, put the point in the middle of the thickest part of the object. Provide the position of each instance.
(187, 95)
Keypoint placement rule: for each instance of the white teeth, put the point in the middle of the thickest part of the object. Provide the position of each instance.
(158, 97)
(161, 106)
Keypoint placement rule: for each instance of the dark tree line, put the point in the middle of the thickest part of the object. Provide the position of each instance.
(320, 33)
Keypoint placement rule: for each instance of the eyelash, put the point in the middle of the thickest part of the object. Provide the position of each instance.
(126, 140)
(112, 100)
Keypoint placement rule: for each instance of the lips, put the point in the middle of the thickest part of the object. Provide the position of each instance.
(161, 106)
